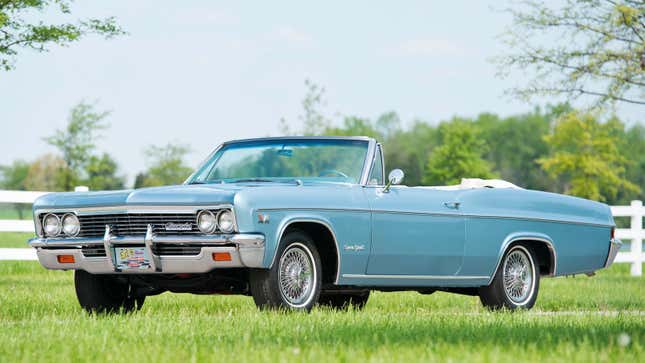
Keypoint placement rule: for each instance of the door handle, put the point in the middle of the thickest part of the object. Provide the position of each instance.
(451, 205)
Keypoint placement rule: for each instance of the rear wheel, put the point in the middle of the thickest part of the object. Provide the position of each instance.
(344, 301)
(294, 280)
(516, 282)
(105, 293)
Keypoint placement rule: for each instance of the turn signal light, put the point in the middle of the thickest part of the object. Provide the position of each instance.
(221, 256)
(65, 258)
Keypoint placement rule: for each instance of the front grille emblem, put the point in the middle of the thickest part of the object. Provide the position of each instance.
(178, 226)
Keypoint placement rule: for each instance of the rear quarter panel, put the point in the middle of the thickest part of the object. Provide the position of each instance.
(579, 229)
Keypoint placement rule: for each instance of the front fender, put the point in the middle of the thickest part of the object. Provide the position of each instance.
(285, 222)
(349, 228)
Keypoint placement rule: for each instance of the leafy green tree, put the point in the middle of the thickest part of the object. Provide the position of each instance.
(578, 47)
(314, 120)
(633, 148)
(460, 155)
(21, 29)
(14, 176)
(166, 166)
(76, 141)
(353, 126)
(47, 173)
(102, 173)
(585, 154)
(514, 144)
(409, 150)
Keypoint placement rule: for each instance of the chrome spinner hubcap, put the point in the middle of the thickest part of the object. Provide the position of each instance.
(296, 274)
(518, 276)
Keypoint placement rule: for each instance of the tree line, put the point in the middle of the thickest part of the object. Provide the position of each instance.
(77, 161)
(556, 148)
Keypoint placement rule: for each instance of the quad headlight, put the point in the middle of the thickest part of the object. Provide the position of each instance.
(206, 221)
(71, 225)
(211, 221)
(226, 221)
(51, 225)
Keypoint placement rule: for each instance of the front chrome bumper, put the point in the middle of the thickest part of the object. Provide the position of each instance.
(246, 250)
(614, 246)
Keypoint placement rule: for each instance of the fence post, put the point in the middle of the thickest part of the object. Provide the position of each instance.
(637, 240)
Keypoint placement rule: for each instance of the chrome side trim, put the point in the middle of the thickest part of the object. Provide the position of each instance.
(537, 219)
(364, 210)
(526, 236)
(614, 247)
(415, 277)
(310, 220)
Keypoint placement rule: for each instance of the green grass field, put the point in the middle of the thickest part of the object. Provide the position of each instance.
(576, 319)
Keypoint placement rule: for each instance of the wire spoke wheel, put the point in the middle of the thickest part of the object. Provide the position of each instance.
(518, 276)
(297, 275)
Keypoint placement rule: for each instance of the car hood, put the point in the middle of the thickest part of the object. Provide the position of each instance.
(169, 195)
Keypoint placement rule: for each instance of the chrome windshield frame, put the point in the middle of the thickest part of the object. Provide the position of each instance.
(367, 163)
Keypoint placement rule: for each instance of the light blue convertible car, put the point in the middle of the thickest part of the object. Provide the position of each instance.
(300, 221)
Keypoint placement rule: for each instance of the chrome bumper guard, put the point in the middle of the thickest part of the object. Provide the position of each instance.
(246, 250)
(614, 246)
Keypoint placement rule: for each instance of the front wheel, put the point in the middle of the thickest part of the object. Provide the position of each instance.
(516, 282)
(105, 293)
(294, 280)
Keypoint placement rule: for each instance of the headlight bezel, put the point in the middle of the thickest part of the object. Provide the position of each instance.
(59, 225)
(78, 224)
(217, 215)
(207, 212)
(232, 221)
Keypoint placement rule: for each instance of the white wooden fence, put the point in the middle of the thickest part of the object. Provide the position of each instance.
(635, 233)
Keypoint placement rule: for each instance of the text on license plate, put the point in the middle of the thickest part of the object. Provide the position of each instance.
(132, 258)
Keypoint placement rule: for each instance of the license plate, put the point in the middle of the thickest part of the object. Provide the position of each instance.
(132, 258)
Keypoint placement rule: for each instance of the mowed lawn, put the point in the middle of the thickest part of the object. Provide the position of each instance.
(576, 319)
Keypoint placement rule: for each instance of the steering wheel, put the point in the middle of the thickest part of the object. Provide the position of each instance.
(332, 172)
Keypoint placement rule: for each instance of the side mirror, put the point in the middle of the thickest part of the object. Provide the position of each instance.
(394, 178)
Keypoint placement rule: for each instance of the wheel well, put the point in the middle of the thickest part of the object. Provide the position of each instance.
(544, 253)
(325, 243)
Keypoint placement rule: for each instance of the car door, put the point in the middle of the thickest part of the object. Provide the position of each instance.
(415, 231)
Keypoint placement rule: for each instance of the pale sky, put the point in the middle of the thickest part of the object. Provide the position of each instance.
(202, 72)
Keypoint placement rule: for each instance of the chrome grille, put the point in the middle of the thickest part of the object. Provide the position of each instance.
(134, 224)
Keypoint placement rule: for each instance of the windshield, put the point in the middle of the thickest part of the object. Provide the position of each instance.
(282, 160)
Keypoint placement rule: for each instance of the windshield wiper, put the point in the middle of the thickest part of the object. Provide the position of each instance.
(261, 180)
(215, 181)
